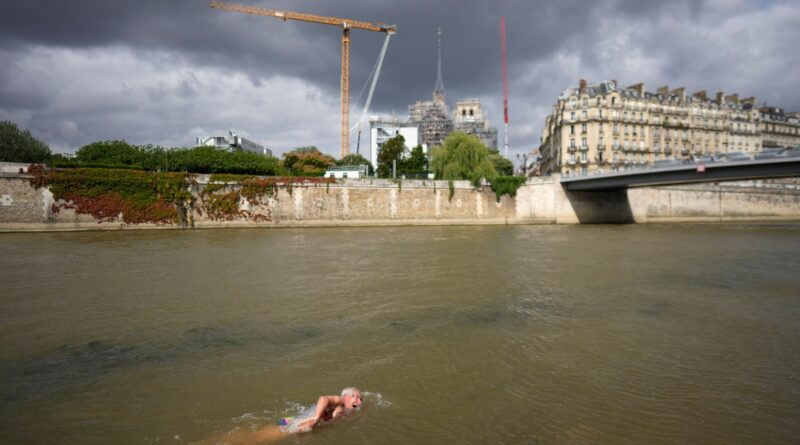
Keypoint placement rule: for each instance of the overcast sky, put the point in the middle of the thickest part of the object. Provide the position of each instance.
(166, 71)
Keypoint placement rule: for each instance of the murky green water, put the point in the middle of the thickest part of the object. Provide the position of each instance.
(527, 334)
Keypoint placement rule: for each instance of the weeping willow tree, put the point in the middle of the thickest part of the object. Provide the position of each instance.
(462, 157)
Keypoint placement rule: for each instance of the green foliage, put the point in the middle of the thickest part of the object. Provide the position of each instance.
(462, 157)
(391, 150)
(506, 185)
(355, 159)
(452, 190)
(154, 158)
(307, 161)
(416, 162)
(111, 153)
(20, 146)
(503, 166)
(140, 197)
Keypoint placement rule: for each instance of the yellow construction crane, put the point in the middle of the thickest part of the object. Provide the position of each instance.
(345, 24)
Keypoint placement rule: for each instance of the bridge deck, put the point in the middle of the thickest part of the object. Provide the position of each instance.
(687, 174)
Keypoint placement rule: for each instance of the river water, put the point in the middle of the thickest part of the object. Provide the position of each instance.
(521, 334)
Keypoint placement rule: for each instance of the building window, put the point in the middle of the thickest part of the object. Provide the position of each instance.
(584, 114)
(572, 143)
(600, 156)
(584, 144)
(583, 128)
(471, 112)
(572, 129)
(572, 158)
(583, 156)
(616, 128)
(600, 114)
(585, 102)
(572, 116)
(613, 101)
(583, 171)
(600, 129)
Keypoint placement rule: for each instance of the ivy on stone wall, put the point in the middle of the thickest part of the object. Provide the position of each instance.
(106, 194)
(224, 193)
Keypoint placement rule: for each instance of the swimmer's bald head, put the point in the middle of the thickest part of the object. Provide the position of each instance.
(351, 397)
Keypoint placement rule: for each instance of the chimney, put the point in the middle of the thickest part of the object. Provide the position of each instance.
(720, 98)
(664, 91)
(700, 95)
(639, 88)
(680, 92)
(582, 86)
(733, 98)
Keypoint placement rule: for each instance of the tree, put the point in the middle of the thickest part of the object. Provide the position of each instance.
(391, 150)
(109, 153)
(355, 159)
(462, 157)
(20, 146)
(503, 166)
(416, 163)
(307, 161)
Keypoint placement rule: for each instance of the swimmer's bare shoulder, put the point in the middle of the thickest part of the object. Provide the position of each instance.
(328, 408)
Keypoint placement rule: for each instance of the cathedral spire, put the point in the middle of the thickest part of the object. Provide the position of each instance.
(438, 91)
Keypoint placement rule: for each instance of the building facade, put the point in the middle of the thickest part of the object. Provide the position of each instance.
(382, 129)
(778, 128)
(470, 118)
(605, 128)
(232, 142)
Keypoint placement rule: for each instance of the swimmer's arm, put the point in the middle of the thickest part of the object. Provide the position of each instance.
(322, 405)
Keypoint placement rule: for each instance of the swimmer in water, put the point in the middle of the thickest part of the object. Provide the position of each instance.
(328, 409)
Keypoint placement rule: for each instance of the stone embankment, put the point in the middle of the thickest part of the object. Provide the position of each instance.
(24, 207)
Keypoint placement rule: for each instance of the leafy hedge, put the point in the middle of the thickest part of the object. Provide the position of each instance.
(120, 154)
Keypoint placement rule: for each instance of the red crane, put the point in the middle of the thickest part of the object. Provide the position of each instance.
(505, 81)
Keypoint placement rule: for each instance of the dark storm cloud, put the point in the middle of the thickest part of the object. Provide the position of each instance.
(150, 67)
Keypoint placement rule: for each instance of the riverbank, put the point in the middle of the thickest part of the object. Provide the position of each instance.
(206, 201)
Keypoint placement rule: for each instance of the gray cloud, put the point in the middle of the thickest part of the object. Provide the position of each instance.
(165, 72)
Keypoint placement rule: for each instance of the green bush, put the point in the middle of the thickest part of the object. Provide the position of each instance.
(506, 185)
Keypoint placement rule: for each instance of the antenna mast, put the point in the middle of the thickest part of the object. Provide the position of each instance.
(505, 82)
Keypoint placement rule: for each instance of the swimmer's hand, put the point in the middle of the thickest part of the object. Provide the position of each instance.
(308, 424)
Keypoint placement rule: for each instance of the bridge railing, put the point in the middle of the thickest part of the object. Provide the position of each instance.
(706, 160)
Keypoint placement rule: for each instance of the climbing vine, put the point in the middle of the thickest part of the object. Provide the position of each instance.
(106, 194)
(224, 193)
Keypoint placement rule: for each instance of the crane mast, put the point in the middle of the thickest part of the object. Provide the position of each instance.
(505, 82)
(345, 24)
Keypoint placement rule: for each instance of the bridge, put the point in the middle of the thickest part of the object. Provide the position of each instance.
(688, 173)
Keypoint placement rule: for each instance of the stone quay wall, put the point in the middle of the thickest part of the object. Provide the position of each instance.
(416, 202)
